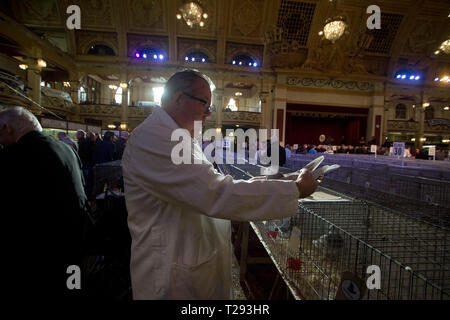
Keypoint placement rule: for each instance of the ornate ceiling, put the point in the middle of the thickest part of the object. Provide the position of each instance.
(281, 35)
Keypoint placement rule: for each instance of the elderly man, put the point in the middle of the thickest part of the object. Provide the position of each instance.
(178, 215)
(43, 202)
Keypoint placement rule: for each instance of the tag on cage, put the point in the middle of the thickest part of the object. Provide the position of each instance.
(350, 288)
(294, 243)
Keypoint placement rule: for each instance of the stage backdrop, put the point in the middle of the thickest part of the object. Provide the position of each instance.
(305, 129)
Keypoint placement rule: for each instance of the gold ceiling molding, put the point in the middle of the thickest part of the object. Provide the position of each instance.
(247, 15)
(37, 12)
(96, 14)
(330, 84)
(146, 14)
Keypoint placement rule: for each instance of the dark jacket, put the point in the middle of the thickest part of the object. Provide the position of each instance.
(44, 205)
(104, 151)
(120, 147)
(85, 153)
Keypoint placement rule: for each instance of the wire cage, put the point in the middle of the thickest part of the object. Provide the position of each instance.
(347, 231)
(107, 173)
(424, 211)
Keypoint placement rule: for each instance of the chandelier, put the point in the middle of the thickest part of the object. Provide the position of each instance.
(334, 28)
(445, 46)
(192, 13)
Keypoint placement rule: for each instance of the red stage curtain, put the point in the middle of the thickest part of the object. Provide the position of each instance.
(300, 130)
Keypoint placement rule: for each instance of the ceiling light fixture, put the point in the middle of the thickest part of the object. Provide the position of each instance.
(23, 66)
(445, 46)
(41, 63)
(192, 13)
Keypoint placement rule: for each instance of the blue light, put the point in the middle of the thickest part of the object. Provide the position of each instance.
(203, 59)
(240, 63)
(161, 57)
(186, 59)
(234, 62)
(417, 77)
(411, 77)
(403, 76)
(250, 64)
(255, 64)
(145, 56)
(193, 59)
(155, 56)
(137, 55)
(399, 76)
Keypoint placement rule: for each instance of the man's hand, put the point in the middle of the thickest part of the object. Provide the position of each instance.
(306, 184)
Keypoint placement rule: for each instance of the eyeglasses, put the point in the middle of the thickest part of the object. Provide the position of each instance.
(207, 107)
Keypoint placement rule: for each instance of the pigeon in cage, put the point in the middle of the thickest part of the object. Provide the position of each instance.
(331, 242)
(284, 228)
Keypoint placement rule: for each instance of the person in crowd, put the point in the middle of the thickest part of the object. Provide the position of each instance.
(104, 150)
(288, 151)
(86, 153)
(343, 141)
(121, 143)
(281, 151)
(407, 153)
(362, 141)
(312, 149)
(62, 136)
(178, 214)
(415, 153)
(43, 197)
(372, 141)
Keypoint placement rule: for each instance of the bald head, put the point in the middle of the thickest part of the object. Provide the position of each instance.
(187, 97)
(16, 122)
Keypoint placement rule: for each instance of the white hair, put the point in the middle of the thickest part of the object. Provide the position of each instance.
(20, 120)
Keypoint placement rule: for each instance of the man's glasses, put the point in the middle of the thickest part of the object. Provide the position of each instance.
(207, 107)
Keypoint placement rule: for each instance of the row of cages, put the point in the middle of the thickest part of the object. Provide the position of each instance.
(409, 166)
(334, 235)
(383, 178)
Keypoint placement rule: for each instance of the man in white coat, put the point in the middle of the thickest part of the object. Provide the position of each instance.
(179, 215)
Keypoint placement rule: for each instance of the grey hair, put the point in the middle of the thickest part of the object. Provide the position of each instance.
(20, 120)
(182, 81)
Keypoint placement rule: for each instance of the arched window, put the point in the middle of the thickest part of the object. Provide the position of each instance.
(196, 56)
(429, 113)
(101, 50)
(400, 111)
(82, 95)
(150, 53)
(231, 105)
(244, 60)
(118, 95)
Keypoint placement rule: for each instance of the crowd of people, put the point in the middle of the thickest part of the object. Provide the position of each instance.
(94, 149)
(419, 153)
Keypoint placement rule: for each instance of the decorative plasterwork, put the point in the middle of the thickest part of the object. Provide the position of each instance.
(255, 51)
(247, 18)
(86, 39)
(147, 15)
(241, 116)
(97, 14)
(43, 12)
(330, 84)
(137, 41)
(186, 45)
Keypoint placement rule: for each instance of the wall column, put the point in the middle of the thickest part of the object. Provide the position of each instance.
(279, 115)
(34, 82)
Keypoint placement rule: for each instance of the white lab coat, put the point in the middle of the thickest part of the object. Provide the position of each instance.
(178, 215)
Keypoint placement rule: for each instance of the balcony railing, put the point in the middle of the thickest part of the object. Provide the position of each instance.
(238, 117)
